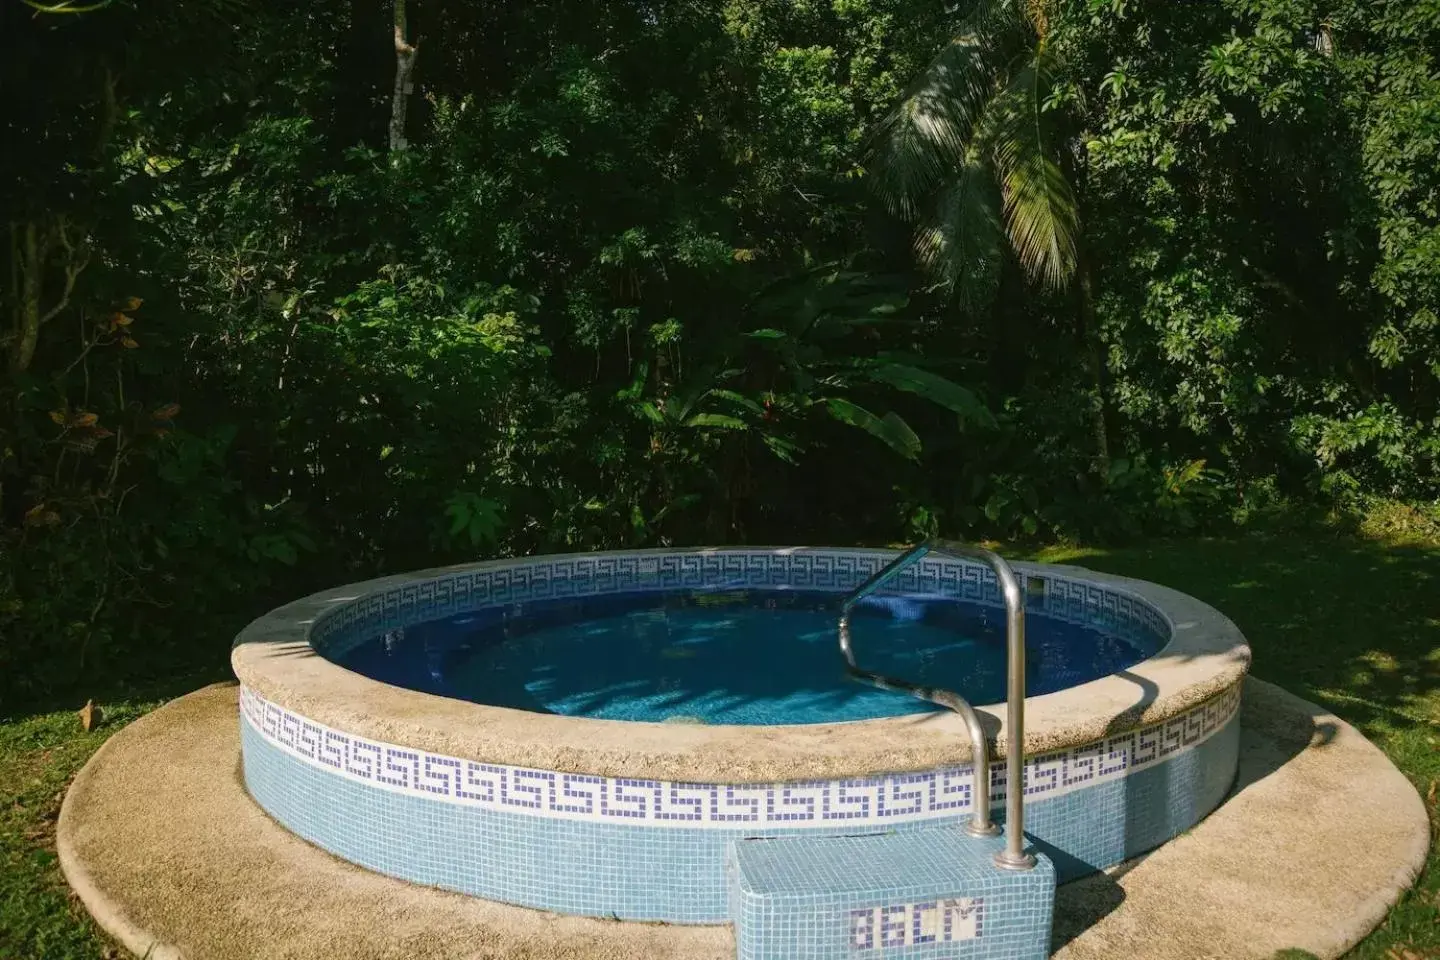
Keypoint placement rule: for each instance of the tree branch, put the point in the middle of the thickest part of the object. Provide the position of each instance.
(34, 250)
(405, 54)
(72, 273)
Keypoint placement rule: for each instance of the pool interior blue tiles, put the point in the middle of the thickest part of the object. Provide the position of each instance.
(692, 654)
(869, 866)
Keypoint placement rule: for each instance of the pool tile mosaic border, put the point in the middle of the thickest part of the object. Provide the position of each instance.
(881, 800)
(633, 871)
(445, 594)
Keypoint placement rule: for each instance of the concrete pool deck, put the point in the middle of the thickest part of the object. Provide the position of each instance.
(166, 849)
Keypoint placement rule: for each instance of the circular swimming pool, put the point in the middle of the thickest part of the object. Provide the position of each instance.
(754, 656)
(593, 734)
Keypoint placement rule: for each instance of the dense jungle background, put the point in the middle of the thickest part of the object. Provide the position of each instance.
(292, 294)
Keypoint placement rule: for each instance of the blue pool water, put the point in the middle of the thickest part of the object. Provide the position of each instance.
(735, 657)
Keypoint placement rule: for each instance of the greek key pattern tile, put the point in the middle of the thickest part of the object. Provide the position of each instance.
(859, 802)
(1071, 600)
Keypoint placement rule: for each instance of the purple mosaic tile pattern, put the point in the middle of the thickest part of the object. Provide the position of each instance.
(1076, 601)
(861, 802)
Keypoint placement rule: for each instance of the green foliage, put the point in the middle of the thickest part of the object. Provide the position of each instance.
(890, 429)
(629, 285)
(478, 519)
(971, 129)
(1247, 166)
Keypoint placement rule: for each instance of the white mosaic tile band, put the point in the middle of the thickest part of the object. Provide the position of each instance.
(857, 802)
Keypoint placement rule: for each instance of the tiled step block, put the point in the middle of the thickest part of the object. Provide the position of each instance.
(933, 894)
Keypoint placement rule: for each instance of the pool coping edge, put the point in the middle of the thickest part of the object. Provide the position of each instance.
(1206, 654)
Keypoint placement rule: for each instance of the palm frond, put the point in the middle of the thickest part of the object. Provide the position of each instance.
(66, 6)
(921, 138)
(960, 243)
(1039, 211)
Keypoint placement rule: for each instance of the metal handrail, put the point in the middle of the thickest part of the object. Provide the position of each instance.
(1013, 856)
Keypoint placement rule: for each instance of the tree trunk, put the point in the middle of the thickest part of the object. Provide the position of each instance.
(1098, 369)
(31, 245)
(25, 251)
(405, 54)
(1076, 168)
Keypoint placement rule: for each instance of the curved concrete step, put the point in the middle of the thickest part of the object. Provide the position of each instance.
(167, 851)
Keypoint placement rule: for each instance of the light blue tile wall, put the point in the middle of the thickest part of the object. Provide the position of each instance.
(673, 874)
(1094, 828)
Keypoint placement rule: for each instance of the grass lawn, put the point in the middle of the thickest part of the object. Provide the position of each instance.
(1349, 623)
